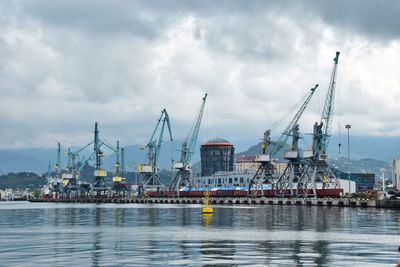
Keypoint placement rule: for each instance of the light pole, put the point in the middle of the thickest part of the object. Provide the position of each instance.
(348, 126)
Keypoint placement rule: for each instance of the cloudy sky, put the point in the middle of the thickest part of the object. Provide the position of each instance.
(66, 64)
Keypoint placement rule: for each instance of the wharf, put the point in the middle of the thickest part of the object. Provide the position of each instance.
(327, 202)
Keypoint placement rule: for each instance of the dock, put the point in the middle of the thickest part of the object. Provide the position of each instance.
(321, 202)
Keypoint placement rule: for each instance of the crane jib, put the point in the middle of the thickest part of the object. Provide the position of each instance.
(286, 133)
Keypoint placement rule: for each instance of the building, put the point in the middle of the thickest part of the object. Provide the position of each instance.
(246, 163)
(396, 173)
(216, 155)
(363, 181)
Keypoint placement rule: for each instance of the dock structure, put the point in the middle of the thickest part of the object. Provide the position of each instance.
(321, 202)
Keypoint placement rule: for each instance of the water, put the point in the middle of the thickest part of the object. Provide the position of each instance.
(47, 234)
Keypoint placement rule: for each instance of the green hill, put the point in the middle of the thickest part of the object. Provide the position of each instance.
(21, 180)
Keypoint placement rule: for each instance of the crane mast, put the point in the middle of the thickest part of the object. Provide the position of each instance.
(183, 175)
(120, 187)
(58, 163)
(292, 171)
(327, 113)
(100, 186)
(56, 184)
(316, 167)
(149, 172)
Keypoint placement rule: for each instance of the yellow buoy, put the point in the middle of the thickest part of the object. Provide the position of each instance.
(207, 208)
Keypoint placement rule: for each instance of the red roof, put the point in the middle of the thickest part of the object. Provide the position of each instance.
(245, 159)
(217, 142)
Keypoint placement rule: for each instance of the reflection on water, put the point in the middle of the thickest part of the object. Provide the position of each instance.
(44, 234)
(207, 219)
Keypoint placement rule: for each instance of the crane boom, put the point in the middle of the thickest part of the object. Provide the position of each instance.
(183, 176)
(58, 164)
(285, 135)
(165, 121)
(327, 113)
(149, 172)
(195, 134)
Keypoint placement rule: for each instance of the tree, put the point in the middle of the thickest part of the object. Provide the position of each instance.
(37, 192)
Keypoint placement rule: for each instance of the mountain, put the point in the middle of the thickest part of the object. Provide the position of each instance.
(366, 165)
(384, 148)
(13, 161)
(21, 180)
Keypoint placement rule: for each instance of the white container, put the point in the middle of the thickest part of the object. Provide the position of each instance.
(178, 165)
(307, 154)
(262, 158)
(290, 155)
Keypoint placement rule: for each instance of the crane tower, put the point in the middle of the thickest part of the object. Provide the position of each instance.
(317, 169)
(183, 175)
(149, 172)
(265, 172)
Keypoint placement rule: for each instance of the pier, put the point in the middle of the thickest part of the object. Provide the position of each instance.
(321, 202)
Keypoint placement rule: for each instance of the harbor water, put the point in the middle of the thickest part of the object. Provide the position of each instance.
(60, 234)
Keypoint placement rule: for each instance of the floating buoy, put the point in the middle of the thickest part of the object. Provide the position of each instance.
(207, 208)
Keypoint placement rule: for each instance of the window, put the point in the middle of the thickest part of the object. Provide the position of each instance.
(241, 179)
(230, 180)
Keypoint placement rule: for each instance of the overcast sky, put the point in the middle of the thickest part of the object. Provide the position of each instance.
(66, 64)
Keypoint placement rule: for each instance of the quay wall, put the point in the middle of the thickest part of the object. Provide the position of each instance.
(326, 202)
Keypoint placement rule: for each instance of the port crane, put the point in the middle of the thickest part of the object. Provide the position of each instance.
(183, 166)
(100, 185)
(149, 172)
(75, 164)
(292, 171)
(265, 172)
(119, 182)
(317, 168)
(55, 182)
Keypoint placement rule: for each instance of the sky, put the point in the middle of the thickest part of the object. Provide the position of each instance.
(67, 64)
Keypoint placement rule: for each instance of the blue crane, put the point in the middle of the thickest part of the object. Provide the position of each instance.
(58, 163)
(73, 156)
(182, 177)
(149, 171)
(327, 113)
(265, 171)
(317, 168)
(74, 166)
(282, 141)
(100, 185)
(292, 171)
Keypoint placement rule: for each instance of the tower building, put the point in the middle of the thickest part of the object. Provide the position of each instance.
(216, 155)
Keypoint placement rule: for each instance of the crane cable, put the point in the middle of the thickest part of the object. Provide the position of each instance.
(290, 112)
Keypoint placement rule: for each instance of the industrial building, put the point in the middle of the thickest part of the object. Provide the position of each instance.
(363, 181)
(396, 173)
(246, 163)
(249, 163)
(216, 155)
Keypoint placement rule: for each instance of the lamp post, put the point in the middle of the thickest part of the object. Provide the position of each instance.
(348, 126)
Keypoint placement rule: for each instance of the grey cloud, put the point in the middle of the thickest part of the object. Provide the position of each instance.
(375, 18)
(98, 17)
(68, 64)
